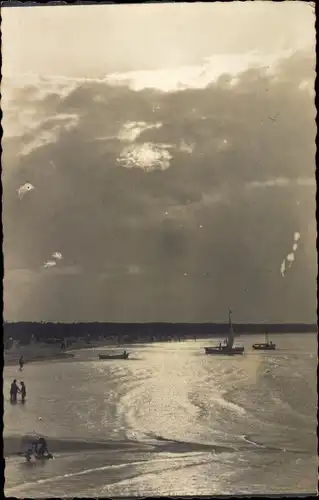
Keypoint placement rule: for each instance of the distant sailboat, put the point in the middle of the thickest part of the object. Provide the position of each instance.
(227, 348)
(265, 346)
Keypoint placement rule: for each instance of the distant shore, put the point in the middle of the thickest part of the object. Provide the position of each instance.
(124, 333)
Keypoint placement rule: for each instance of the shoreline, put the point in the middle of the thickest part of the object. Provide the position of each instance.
(11, 361)
(42, 352)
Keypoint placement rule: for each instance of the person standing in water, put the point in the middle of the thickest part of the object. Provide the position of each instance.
(40, 447)
(14, 391)
(21, 363)
(23, 392)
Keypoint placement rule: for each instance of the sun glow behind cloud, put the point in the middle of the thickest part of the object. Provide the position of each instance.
(132, 130)
(197, 76)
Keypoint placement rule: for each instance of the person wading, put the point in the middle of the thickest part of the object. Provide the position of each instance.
(21, 363)
(14, 391)
(23, 392)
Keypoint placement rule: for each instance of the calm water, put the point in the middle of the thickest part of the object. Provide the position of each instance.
(169, 421)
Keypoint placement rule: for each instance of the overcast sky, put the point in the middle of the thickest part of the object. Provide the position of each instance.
(94, 40)
(159, 162)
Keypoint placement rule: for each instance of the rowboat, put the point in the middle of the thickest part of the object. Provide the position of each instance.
(265, 346)
(123, 355)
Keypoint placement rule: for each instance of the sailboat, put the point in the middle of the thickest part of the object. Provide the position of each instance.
(265, 346)
(227, 347)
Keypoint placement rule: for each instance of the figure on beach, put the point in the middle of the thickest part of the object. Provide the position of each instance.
(21, 363)
(14, 390)
(39, 447)
(23, 391)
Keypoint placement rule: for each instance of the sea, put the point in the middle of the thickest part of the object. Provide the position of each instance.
(168, 421)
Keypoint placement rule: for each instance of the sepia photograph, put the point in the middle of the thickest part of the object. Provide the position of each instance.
(159, 245)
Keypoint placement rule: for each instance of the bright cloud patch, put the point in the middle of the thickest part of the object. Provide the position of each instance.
(147, 156)
(44, 137)
(67, 121)
(49, 263)
(19, 119)
(63, 122)
(57, 255)
(186, 148)
(197, 76)
(131, 130)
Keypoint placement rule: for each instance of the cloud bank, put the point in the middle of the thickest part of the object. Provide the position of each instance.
(167, 203)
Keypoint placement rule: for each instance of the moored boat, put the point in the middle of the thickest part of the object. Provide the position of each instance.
(123, 355)
(224, 349)
(265, 346)
(227, 347)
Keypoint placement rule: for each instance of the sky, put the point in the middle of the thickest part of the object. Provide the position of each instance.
(158, 162)
(93, 40)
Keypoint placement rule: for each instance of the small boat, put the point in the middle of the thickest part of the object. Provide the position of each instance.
(265, 346)
(227, 347)
(123, 355)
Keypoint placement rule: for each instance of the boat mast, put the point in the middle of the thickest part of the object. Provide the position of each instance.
(230, 337)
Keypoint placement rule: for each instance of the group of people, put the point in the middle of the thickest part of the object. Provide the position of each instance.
(15, 390)
(39, 447)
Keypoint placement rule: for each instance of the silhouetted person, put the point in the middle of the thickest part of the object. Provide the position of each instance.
(23, 392)
(21, 363)
(14, 391)
(42, 448)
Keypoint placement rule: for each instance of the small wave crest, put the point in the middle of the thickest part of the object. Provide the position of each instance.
(179, 446)
(266, 447)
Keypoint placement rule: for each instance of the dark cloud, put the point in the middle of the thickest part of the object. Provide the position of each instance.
(106, 219)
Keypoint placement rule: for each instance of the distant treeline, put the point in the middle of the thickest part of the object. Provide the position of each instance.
(25, 331)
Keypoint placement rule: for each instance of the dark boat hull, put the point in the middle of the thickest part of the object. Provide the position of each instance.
(113, 356)
(224, 351)
(264, 347)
